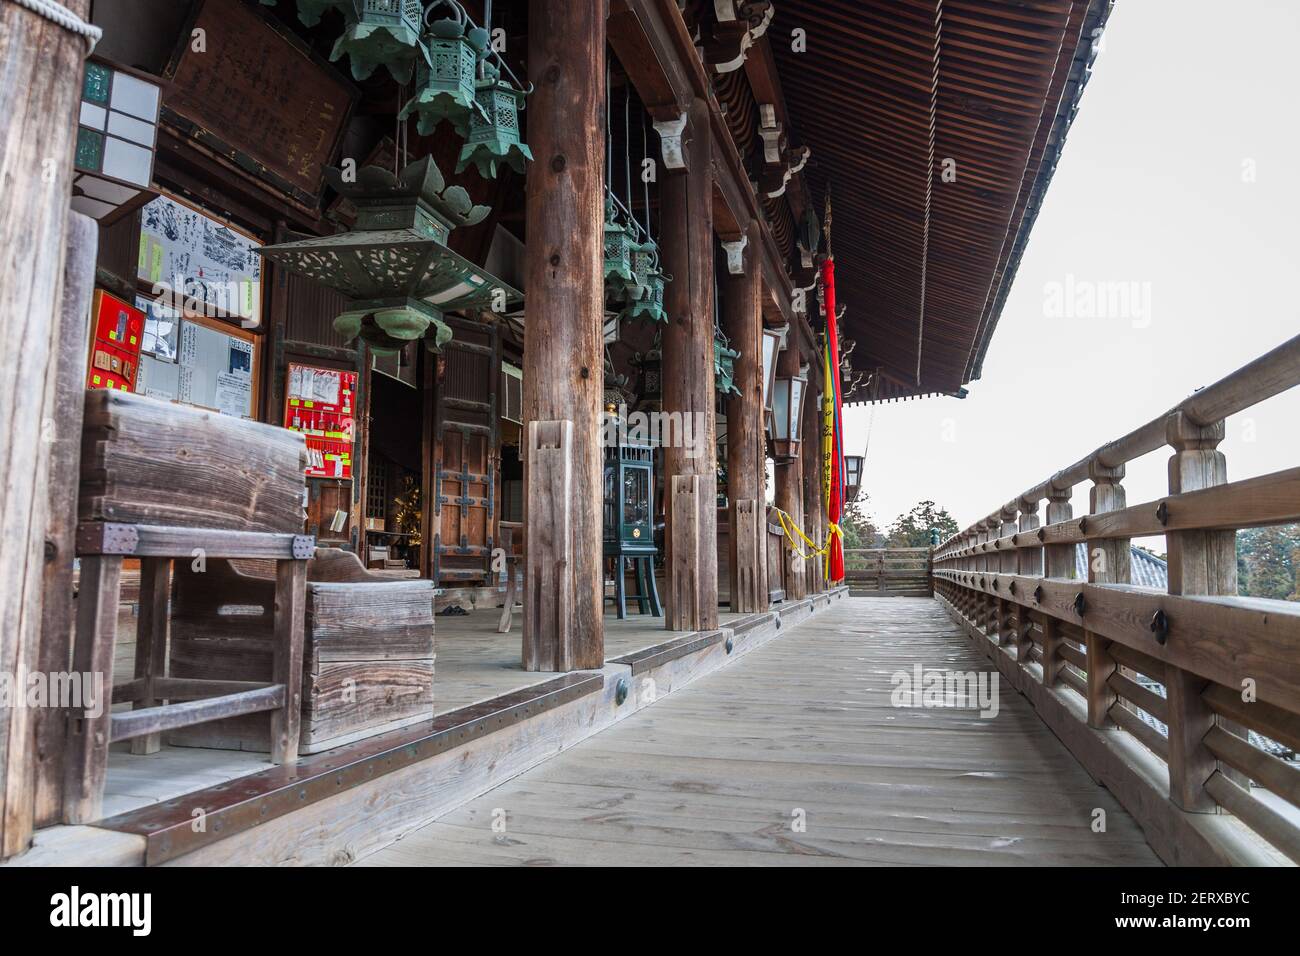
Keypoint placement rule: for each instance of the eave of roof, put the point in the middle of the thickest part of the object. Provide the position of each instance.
(886, 91)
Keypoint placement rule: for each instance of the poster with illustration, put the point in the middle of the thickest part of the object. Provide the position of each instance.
(193, 260)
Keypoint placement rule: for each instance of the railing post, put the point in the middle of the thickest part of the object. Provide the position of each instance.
(1108, 563)
(1031, 561)
(1058, 559)
(1200, 562)
(1007, 564)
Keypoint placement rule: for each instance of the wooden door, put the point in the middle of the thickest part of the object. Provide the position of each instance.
(463, 450)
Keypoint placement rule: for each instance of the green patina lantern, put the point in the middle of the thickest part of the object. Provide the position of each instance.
(382, 32)
(395, 262)
(724, 366)
(619, 240)
(646, 302)
(494, 127)
(445, 83)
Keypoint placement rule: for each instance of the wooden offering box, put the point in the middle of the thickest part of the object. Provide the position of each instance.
(145, 461)
(367, 654)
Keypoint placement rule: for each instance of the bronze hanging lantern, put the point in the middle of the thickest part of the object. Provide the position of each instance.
(618, 251)
(382, 32)
(445, 84)
(724, 366)
(395, 261)
(494, 127)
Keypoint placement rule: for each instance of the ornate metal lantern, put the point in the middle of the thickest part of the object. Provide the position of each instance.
(787, 414)
(618, 251)
(629, 520)
(395, 261)
(724, 366)
(852, 476)
(445, 84)
(650, 380)
(383, 32)
(494, 127)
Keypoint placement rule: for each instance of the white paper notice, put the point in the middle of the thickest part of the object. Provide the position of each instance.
(233, 393)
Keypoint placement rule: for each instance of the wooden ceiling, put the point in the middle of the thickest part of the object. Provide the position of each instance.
(890, 94)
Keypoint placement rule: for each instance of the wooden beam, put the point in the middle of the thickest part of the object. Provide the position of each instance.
(563, 352)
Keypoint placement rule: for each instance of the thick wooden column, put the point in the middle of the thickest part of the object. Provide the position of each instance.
(742, 318)
(39, 100)
(789, 495)
(686, 208)
(563, 352)
(1200, 562)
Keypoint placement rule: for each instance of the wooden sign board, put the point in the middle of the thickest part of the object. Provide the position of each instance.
(256, 92)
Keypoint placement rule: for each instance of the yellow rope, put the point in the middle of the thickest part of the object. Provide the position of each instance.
(791, 529)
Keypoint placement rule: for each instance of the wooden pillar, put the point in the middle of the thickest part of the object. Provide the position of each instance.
(742, 318)
(789, 495)
(686, 241)
(39, 100)
(1200, 562)
(1108, 563)
(563, 350)
(57, 613)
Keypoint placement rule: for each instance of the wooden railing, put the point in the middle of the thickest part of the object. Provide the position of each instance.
(1207, 682)
(888, 572)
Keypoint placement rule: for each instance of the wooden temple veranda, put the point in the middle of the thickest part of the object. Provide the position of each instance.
(406, 401)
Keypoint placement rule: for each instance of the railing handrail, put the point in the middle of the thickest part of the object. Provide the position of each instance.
(1270, 374)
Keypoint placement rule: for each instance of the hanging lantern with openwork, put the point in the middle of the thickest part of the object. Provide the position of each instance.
(649, 305)
(650, 380)
(445, 87)
(618, 251)
(382, 33)
(494, 127)
(724, 366)
(395, 262)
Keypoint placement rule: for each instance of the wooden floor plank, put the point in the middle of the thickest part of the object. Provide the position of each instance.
(804, 729)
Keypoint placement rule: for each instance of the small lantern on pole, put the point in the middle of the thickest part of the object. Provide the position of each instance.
(787, 415)
(852, 476)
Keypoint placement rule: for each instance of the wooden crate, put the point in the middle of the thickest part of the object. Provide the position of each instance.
(145, 461)
(368, 651)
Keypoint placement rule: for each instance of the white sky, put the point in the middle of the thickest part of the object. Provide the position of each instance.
(1151, 189)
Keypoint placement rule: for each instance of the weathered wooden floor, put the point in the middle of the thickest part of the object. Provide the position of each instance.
(721, 771)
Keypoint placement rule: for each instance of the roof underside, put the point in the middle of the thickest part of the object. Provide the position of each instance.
(935, 124)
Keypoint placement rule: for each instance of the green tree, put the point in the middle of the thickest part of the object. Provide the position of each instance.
(912, 530)
(859, 529)
(1266, 562)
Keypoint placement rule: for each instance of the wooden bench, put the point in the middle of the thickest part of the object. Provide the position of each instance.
(165, 483)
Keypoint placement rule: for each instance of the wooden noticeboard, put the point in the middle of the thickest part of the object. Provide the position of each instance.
(257, 91)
